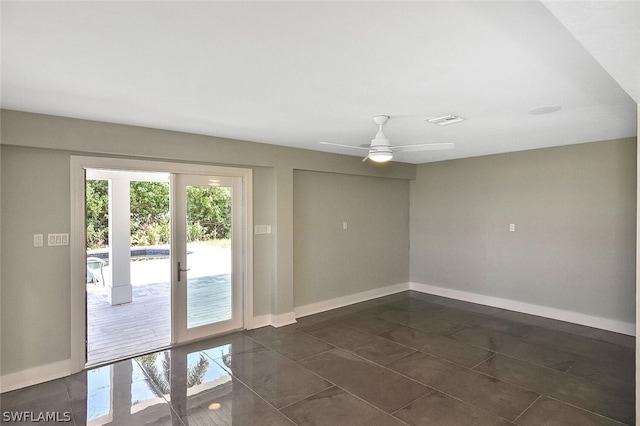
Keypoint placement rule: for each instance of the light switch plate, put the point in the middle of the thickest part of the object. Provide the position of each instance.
(58, 239)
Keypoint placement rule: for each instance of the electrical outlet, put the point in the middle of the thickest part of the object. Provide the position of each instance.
(38, 240)
(512, 227)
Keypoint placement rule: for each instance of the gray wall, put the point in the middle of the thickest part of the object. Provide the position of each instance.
(35, 292)
(35, 198)
(574, 208)
(373, 252)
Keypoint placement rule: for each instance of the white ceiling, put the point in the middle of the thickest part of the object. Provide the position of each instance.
(296, 73)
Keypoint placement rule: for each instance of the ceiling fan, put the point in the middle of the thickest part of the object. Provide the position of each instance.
(380, 149)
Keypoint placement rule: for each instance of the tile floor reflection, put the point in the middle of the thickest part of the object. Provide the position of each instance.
(404, 359)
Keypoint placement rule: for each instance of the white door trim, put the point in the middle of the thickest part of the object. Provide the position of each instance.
(77, 237)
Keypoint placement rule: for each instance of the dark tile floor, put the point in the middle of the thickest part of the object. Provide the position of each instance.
(409, 358)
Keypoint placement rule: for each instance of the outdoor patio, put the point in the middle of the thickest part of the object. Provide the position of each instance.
(144, 325)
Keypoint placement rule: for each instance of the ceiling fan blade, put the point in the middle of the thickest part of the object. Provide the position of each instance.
(344, 146)
(424, 147)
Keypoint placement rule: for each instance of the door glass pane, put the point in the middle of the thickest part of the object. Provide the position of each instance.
(209, 295)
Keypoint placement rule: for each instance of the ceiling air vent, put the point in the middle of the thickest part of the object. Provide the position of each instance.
(445, 120)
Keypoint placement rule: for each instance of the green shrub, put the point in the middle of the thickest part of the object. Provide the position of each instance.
(97, 212)
(149, 234)
(208, 211)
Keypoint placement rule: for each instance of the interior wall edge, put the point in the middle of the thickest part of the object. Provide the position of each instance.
(638, 265)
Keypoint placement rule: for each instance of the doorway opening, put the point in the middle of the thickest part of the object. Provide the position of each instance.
(128, 247)
(169, 261)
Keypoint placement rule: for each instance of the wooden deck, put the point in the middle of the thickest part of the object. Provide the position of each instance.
(144, 325)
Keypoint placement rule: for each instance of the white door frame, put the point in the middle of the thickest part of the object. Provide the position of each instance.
(77, 237)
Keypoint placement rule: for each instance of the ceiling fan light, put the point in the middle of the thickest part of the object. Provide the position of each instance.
(380, 156)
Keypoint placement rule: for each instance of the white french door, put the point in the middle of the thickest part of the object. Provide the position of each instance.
(206, 259)
(213, 293)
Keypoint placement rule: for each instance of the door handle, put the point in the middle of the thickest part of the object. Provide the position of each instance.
(180, 271)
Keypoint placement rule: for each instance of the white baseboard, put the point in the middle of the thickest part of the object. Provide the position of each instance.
(339, 302)
(274, 320)
(283, 319)
(56, 370)
(326, 305)
(35, 375)
(260, 321)
(528, 308)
